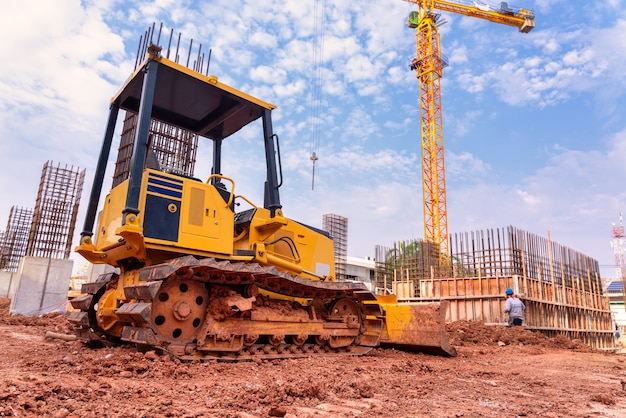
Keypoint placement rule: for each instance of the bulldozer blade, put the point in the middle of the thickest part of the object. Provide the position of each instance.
(416, 327)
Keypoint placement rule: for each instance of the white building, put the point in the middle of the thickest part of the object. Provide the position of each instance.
(361, 270)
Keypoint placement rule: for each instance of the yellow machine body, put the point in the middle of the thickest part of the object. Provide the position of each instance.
(199, 279)
(180, 216)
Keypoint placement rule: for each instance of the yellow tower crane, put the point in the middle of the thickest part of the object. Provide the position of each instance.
(428, 65)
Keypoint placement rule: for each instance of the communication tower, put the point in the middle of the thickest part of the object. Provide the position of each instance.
(618, 248)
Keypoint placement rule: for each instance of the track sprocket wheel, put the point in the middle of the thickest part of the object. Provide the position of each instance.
(352, 315)
(178, 310)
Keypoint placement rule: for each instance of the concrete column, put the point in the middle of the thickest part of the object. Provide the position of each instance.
(42, 286)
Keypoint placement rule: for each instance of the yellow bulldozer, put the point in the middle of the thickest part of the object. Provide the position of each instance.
(198, 279)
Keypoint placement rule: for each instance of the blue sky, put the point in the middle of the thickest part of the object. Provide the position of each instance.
(535, 134)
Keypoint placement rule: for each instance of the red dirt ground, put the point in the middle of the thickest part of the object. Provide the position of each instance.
(499, 372)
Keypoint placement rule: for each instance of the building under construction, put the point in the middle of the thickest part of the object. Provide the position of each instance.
(561, 287)
(337, 227)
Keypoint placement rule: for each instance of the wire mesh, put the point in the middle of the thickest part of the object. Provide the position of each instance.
(174, 148)
(15, 238)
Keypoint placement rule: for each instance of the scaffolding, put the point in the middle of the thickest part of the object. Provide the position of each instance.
(56, 208)
(337, 227)
(173, 148)
(15, 238)
(561, 287)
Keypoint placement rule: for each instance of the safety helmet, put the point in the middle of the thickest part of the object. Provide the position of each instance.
(508, 291)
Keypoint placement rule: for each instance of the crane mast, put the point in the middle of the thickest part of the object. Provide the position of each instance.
(428, 65)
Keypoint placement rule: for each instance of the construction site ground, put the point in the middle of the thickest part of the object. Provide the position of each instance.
(499, 372)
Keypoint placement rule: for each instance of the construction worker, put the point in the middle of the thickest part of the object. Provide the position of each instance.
(514, 308)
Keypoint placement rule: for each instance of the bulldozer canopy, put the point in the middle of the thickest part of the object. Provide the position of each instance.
(192, 101)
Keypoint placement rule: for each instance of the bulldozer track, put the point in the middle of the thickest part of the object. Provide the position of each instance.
(232, 311)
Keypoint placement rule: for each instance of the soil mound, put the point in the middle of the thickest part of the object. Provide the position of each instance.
(476, 333)
(4, 307)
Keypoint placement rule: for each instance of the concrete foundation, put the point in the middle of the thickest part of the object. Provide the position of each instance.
(7, 279)
(41, 286)
(98, 269)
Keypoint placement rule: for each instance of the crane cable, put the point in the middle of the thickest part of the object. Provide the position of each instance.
(319, 17)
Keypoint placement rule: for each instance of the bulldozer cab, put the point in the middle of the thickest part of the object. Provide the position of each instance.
(164, 90)
(167, 91)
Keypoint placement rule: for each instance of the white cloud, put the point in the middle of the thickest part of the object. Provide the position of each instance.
(577, 57)
(465, 166)
(458, 55)
(289, 89)
(528, 199)
(473, 83)
(342, 49)
(267, 74)
(572, 62)
(263, 40)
